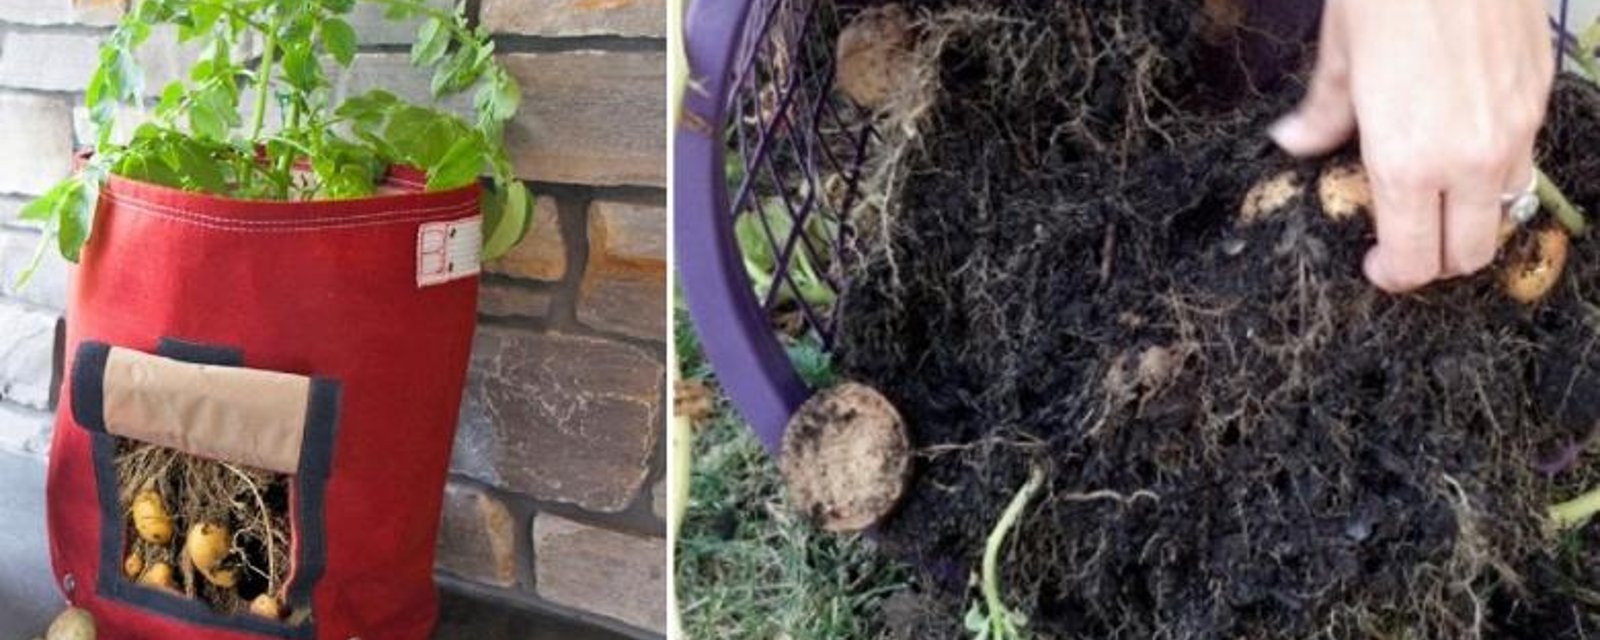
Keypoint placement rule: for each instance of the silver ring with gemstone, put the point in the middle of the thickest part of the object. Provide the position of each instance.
(1522, 205)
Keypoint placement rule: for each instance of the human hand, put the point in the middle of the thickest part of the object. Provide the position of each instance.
(1447, 96)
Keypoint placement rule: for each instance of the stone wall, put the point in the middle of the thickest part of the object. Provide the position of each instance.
(555, 500)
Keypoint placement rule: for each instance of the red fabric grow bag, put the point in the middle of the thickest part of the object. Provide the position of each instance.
(361, 297)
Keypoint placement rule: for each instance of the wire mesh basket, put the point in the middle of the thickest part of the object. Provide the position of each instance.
(766, 153)
(767, 163)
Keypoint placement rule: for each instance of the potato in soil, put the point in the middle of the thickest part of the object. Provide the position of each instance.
(1330, 460)
(1534, 266)
(872, 56)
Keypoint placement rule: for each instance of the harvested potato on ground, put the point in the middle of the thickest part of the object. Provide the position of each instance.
(1343, 190)
(159, 575)
(873, 55)
(134, 565)
(150, 516)
(72, 624)
(1534, 268)
(266, 606)
(1267, 197)
(846, 457)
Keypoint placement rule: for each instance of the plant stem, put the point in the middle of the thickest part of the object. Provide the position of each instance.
(680, 448)
(1553, 199)
(264, 79)
(999, 617)
(1573, 513)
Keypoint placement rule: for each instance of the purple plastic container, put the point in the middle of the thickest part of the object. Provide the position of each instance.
(763, 111)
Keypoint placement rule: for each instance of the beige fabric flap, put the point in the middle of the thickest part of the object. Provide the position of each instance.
(245, 416)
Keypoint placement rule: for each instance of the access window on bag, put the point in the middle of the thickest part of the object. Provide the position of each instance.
(211, 478)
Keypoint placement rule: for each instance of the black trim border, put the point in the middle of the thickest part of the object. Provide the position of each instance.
(308, 498)
(88, 386)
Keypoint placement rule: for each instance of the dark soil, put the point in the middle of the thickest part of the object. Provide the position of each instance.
(1060, 282)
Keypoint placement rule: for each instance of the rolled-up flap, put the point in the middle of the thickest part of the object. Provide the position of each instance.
(245, 416)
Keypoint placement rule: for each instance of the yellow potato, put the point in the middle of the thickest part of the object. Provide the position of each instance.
(207, 545)
(266, 606)
(1343, 191)
(1531, 275)
(1267, 197)
(225, 578)
(159, 575)
(72, 624)
(134, 565)
(151, 518)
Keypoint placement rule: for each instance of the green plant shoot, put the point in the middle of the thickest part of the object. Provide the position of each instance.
(266, 125)
(992, 620)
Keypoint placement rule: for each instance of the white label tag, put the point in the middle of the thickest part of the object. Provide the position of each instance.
(449, 251)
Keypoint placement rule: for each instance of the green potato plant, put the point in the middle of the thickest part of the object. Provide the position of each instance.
(209, 132)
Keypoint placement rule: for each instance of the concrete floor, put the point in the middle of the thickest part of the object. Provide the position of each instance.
(28, 597)
(28, 600)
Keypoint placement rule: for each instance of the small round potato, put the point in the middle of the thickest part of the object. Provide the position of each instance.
(1532, 273)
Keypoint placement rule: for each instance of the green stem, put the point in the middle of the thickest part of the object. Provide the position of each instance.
(291, 123)
(264, 79)
(1573, 513)
(1553, 199)
(1000, 617)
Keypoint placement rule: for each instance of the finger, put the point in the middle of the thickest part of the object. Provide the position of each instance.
(1326, 118)
(1407, 216)
(1472, 213)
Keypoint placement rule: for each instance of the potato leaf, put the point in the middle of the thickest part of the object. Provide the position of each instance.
(73, 214)
(460, 165)
(339, 40)
(433, 38)
(462, 69)
(508, 222)
(498, 99)
(199, 139)
(300, 68)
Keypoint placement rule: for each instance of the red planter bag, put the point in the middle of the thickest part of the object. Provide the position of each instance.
(326, 341)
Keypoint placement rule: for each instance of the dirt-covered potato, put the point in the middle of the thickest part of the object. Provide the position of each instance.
(1269, 196)
(872, 55)
(1534, 267)
(72, 624)
(846, 457)
(1343, 190)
